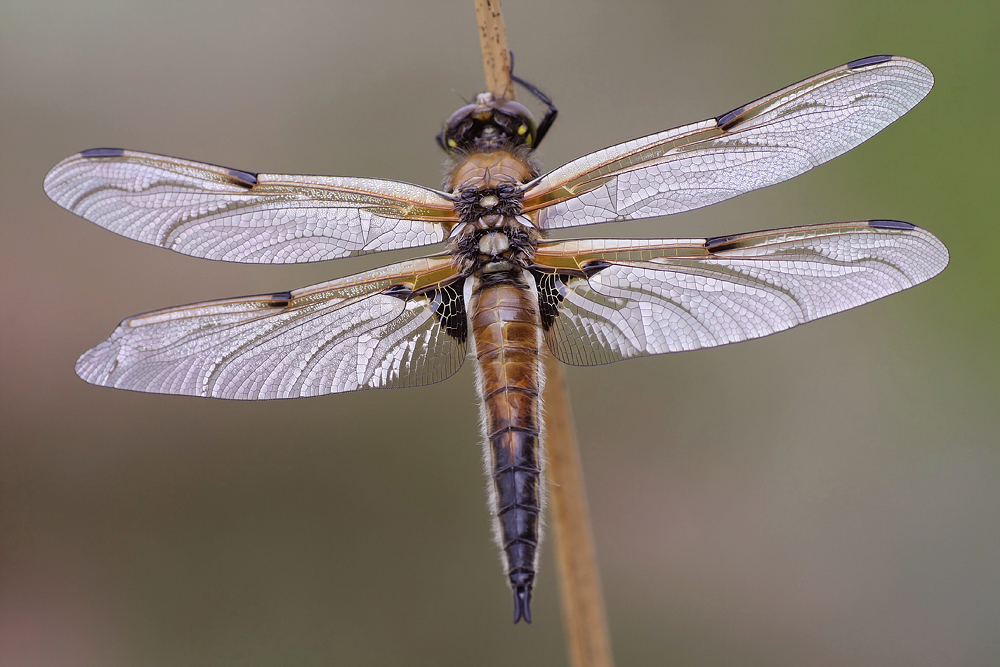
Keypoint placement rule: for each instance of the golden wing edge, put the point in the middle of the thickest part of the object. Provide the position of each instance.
(648, 150)
(574, 255)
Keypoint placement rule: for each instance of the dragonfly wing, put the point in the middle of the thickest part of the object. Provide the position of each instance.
(759, 144)
(384, 328)
(219, 213)
(607, 300)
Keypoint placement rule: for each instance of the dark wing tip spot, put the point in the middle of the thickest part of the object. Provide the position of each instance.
(870, 60)
(243, 177)
(727, 120)
(891, 224)
(103, 152)
(717, 243)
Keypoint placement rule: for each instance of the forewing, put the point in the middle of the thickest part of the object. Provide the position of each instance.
(365, 331)
(650, 297)
(759, 144)
(220, 213)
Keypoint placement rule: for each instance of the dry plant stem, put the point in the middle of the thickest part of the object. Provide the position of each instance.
(496, 55)
(587, 635)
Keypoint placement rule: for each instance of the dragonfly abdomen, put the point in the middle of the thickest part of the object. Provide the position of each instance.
(506, 333)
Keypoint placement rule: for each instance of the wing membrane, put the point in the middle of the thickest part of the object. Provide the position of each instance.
(361, 332)
(759, 144)
(219, 213)
(647, 297)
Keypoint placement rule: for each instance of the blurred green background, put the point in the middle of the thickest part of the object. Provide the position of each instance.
(826, 496)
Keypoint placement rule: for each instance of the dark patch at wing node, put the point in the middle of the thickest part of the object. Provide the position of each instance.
(869, 60)
(718, 243)
(280, 299)
(399, 291)
(891, 224)
(590, 268)
(243, 177)
(103, 152)
(728, 120)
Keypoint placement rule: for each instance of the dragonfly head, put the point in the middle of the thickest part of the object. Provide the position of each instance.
(487, 125)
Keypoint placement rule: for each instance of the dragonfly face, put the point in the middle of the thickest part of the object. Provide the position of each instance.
(488, 125)
(500, 293)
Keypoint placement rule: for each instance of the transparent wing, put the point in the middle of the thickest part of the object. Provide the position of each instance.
(607, 300)
(367, 331)
(219, 213)
(756, 145)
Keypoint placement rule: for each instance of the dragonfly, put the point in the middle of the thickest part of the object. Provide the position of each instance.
(499, 292)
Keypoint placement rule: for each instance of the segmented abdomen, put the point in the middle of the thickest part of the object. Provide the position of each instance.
(506, 330)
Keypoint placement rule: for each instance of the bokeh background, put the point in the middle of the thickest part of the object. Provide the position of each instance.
(826, 496)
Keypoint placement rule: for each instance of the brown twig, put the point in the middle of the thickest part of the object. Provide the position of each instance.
(587, 636)
(496, 55)
(587, 633)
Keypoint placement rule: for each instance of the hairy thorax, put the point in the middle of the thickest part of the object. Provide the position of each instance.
(493, 237)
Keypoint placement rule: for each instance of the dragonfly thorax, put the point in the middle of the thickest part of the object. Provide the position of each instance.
(495, 243)
(492, 230)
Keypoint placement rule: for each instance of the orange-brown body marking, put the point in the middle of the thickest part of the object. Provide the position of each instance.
(487, 170)
(493, 247)
(506, 335)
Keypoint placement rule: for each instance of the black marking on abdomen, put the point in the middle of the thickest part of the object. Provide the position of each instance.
(103, 152)
(516, 477)
(504, 321)
(891, 224)
(869, 60)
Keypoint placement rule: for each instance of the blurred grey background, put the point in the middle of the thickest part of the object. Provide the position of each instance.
(826, 496)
